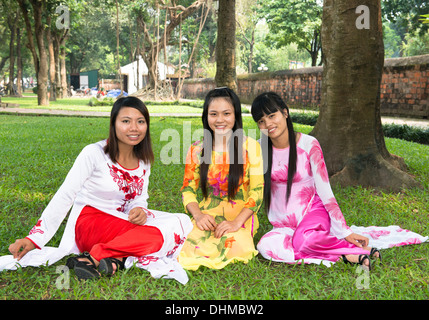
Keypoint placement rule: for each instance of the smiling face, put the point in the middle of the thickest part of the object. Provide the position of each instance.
(130, 127)
(275, 125)
(221, 116)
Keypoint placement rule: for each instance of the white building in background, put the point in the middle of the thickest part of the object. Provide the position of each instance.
(129, 75)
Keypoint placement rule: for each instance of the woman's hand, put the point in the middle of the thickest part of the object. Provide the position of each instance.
(205, 221)
(357, 240)
(137, 216)
(226, 227)
(233, 226)
(25, 244)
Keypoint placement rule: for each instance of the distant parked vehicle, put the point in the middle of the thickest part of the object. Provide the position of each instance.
(115, 93)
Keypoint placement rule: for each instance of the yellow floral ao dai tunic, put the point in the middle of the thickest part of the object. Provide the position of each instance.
(201, 247)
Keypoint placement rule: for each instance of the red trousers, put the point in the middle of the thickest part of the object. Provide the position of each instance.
(106, 236)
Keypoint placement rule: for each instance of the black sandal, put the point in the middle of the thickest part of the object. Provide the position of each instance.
(86, 269)
(361, 260)
(374, 251)
(72, 261)
(106, 266)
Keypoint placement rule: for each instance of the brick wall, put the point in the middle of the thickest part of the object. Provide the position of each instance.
(404, 89)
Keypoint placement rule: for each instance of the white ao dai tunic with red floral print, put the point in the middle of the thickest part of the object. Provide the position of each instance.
(96, 181)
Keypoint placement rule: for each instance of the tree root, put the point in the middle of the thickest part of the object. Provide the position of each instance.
(373, 171)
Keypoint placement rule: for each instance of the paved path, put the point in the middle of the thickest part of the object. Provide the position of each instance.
(423, 123)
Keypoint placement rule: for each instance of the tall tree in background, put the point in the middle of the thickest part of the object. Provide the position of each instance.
(294, 21)
(13, 19)
(349, 124)
(40, 57)
(117, 46)
(406, 13)
(56, 36)
(403, 16)
(247, 19)
(225, 46)
(151, 45)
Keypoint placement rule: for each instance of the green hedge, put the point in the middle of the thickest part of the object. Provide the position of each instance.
(404, 132)
(94, 102)
(305, 118)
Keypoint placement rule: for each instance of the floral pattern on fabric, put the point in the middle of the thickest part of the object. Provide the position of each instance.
(37, 228)
(311, 189)
(131, 186)
(201, 247)
(311, 181)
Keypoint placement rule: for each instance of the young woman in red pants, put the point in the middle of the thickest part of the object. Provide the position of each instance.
(109, 222)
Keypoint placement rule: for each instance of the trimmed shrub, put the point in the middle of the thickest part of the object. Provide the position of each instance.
(94, 102)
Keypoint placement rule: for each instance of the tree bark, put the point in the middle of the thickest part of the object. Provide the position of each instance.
(58, 90)
(18, 64)
(63, 70)
(315, 47)
(59, 42)
(349, 124)
(225, 46)
(12, 22)
(42, 74)
(52, 78)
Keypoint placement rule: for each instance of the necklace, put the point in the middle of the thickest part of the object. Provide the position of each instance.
(281, 159)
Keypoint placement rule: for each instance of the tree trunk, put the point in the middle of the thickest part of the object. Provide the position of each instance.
(40, 60)
(315, 48)
(3, 61)
(42, 74)
(58, 90)
(191, 61)
(63, 70)
(12, 21)
(149, 49)
(52, 78)
(152, 71)
(117, 47)
(250, 59)
(349, 124)
(225, 46)
(18, 64)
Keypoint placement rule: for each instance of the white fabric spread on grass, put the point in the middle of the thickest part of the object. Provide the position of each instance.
(96, 181)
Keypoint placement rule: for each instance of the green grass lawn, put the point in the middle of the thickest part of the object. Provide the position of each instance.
(37, 152)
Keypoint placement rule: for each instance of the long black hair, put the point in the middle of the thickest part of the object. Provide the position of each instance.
(143, 150)
(235, 144)
(265, 104)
